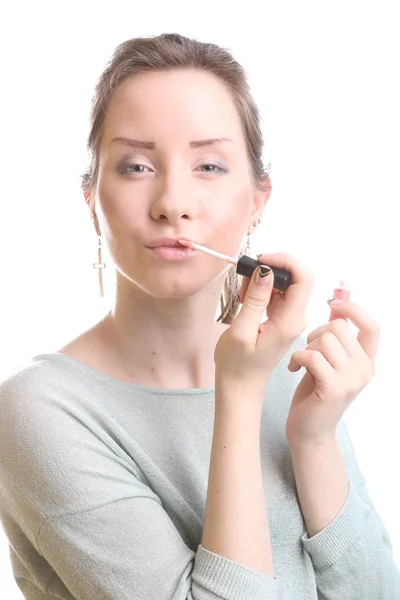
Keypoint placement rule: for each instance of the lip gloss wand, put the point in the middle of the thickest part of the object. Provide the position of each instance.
(245, 265)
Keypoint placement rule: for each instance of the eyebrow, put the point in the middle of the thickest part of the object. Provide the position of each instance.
(152, 146)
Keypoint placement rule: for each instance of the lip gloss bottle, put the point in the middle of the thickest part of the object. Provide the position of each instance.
(341, 292)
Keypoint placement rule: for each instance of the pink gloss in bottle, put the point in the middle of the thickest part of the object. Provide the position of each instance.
(341, 292)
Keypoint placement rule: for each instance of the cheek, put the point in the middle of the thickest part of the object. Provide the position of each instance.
(234, 222)
(238, 209)
(113, 199)
(107, 191)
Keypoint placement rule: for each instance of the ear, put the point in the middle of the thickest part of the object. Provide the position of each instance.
(86, 195)
(260, 199)
(85, 189)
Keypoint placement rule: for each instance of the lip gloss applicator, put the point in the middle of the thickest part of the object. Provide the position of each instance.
(245, 265)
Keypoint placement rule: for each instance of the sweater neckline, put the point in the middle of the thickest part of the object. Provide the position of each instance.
(94, 374)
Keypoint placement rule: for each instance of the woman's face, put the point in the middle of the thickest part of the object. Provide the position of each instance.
(171, 186)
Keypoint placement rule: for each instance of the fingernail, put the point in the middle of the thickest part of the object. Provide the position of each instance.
(334, 301)
(262, 275)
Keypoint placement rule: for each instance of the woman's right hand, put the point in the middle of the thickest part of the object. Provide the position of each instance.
(247, 353)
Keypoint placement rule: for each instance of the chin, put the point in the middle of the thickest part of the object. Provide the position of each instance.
(177, 285)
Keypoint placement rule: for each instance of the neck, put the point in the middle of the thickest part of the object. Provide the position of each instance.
(164, 342)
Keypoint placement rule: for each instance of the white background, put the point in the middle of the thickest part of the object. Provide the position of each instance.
(326, 78)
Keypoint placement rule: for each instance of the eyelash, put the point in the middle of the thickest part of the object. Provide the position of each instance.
(124, 168)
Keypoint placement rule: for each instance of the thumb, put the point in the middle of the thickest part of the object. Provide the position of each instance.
(256, 300)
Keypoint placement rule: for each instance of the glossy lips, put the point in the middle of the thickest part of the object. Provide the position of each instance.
(172, 253)
(166, 242)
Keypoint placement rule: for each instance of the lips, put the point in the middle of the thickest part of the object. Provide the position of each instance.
(167, 242)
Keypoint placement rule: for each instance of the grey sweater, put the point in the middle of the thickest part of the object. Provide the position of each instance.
(103, 487)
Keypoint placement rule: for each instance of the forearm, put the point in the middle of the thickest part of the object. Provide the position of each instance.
(236, 522)
(321, 481)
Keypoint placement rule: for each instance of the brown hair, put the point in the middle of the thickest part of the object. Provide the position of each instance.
(174, 51)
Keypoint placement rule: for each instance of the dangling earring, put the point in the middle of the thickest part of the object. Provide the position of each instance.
(247, 249)
(100, 266)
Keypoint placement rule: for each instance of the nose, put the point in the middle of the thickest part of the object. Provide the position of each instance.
(174, 199)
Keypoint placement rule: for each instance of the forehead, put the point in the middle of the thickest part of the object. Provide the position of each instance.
(170, 101)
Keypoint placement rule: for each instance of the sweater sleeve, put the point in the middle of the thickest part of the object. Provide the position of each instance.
(129, 548)
(88, 510)
(353, 555)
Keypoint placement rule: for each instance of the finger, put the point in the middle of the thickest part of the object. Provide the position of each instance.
(369, 329)
(332, 350)
(247, 323)
(276, 297)
(315, 363)
(341, 329)
(330, 346)
(275, 294)
(243, 289)
(295, 299)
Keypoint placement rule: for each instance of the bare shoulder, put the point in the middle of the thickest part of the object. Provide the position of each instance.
(90, 349)
(85, 346)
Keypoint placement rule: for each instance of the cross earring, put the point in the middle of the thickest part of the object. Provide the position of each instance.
(247, 249)
(100, 266)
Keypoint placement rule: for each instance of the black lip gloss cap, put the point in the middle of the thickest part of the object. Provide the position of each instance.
(246, 265)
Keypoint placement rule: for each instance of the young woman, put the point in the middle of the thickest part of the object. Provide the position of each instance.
(165, 453)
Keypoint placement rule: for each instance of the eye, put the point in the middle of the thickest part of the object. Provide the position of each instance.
(217, 167)
(138, 169)
(134, 168)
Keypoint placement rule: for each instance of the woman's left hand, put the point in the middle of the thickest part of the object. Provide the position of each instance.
(338, 366)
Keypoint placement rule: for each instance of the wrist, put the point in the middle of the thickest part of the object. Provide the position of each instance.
(314, 444)
(241, 386)
(249, 396)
